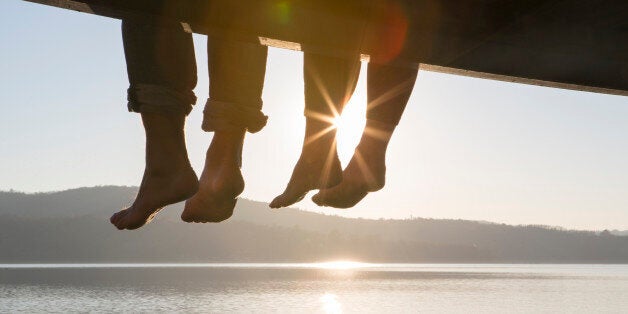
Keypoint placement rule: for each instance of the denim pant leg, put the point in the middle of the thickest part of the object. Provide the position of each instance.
(329, 83)
(236, 75)
(161, 67)
(389, 89)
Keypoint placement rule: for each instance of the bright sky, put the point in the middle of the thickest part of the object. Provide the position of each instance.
(465, 148)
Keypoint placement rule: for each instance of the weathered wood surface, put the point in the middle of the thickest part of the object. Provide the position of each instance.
(574, 44)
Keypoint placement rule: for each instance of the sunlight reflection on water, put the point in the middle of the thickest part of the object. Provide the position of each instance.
(331, 304)
(344, 265)
(332, 265)
(329, 287)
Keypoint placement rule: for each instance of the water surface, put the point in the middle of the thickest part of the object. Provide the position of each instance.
(315, 287)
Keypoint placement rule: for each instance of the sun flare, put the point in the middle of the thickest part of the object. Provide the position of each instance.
(349, 127)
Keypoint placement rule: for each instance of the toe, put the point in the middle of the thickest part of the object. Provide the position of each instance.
(225, 212)
(195, 208)
(119, 225)
(320, 198)
(123, 222)
(282, 200)
(188, 211)
(289, 197)
(115, 218)
(186, 217)
(330, 196)
(133, 227)
(341, 196)
(276, 203)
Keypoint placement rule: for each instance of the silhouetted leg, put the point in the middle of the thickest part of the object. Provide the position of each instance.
(329, 84)
(236, 71)
(389, 89)
(162, 74)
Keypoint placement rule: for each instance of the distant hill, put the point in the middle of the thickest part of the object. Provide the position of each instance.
(620, 232)
(72, 226)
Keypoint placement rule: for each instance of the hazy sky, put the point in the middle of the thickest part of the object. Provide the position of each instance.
(465, 148)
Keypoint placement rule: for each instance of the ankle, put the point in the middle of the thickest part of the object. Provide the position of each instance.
(320, 129)
(167, 169)
(373, 151)
(165, 137)
(229, 141)
(319, 138)
(379, 130)
(376, 137)
(379, 125)
(227, 146)
(166, 156)
(318, 151)
(155, 122)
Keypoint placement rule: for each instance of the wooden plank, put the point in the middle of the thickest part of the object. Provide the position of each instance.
(573, 44)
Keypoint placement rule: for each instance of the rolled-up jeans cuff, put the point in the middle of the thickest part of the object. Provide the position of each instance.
(228, 116)
(159, 99)
(326, 116)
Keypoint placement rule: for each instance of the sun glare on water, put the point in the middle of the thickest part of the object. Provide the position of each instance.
(331, 303)
(342, 265)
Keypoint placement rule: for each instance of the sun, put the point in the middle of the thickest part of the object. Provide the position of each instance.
(350, 126)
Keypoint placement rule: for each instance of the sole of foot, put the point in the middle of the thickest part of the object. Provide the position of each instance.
(203, 211)
(358, 179)
(217, 195)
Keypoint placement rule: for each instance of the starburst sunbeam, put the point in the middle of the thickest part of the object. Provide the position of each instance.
(366, 172)
(393, 92)
(328, 164)
(377, 134)
(318, 135)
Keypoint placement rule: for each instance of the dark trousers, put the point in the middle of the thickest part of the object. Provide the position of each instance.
(330, 82)
(388, 91)
(162, 74)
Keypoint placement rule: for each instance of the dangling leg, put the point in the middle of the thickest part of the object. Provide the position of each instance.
(329, 84)
(389, 89)
(161, 91)
(236, 71)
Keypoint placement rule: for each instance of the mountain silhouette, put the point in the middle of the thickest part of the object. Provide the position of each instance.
(72, 226)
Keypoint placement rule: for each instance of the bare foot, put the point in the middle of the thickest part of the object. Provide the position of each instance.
(158, 189)
(309, 175)
(358, 180)
(168, 177)
(365, 173)
(318, 167)
(221, 181)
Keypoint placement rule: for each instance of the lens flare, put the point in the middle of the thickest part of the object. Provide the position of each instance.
(391, 36)
(282, 12)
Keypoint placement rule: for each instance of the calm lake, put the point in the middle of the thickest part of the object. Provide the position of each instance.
(341, 287)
